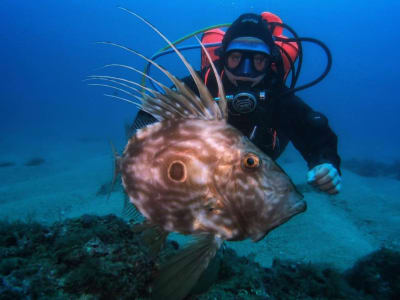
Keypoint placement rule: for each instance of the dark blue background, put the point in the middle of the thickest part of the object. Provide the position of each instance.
(48, 47)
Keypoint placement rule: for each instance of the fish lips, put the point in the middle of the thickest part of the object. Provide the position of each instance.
(295, 205)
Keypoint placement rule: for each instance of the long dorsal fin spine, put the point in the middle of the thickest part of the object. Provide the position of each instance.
(222, 99)
(184, 91)
(213, 110)
(196, 108)
(137, 71)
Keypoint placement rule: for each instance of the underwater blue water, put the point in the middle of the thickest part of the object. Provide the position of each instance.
(48, 48)
(47, 109)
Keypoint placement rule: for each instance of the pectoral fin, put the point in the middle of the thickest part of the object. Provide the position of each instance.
(153, 236)
(130, 211)
(179, 275)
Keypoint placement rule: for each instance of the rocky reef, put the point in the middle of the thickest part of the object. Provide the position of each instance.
(372, 168)
(94, 257)
(90, 258)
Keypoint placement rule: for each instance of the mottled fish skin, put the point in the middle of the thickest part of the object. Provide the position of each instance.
(194, 173)
(216, 194)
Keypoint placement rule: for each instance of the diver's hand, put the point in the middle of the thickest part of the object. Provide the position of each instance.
(325, 177)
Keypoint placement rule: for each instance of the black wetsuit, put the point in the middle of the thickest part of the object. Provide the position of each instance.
(278, 120)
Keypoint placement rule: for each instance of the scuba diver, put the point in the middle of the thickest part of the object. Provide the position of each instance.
(254, 61)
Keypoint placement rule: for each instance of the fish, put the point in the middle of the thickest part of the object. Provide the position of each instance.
(193, 173)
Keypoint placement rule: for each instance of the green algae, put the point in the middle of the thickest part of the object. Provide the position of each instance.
(377, 274)
(241, 278)
(94, 257)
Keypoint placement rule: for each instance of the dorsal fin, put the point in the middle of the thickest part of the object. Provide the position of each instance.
(203, 106)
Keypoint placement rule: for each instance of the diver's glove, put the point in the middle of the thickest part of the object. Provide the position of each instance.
(325, 177)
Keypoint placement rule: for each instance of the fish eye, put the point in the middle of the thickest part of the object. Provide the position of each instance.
(251, 161)
(177, 171)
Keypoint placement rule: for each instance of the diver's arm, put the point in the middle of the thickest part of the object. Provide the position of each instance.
(310, 133)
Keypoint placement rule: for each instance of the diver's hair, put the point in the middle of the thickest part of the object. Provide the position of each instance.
(248, 25)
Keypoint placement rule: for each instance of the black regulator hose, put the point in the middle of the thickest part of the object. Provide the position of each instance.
(295, 39)
(298, 41)
(323, 75)
(292, 67)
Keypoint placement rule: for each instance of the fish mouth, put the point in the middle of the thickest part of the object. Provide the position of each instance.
(298, 205)
(295, 205)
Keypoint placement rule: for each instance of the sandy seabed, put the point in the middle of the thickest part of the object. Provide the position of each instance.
(336, 230)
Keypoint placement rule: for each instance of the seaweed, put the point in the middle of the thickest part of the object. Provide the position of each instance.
(242, 278)
(95, 257)
(377, 274)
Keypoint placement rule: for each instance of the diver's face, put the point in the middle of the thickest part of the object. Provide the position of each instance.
(259, 60)
(246, 66)
(233, 60)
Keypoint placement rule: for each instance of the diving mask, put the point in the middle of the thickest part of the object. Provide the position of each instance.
(247, 60)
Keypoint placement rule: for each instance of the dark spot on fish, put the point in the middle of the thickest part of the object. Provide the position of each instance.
(177, 171)
(35, 162)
